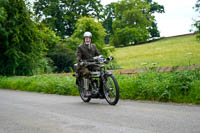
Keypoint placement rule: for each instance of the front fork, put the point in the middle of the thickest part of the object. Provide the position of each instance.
(104, 75)
(86, 84)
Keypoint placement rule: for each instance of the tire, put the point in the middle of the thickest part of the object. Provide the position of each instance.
(82, 92)
(111, 89)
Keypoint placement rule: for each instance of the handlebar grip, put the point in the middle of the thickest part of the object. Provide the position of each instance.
(110, 58)
(82, 63)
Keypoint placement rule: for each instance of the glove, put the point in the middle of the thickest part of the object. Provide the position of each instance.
(82, 63)
(101, 56)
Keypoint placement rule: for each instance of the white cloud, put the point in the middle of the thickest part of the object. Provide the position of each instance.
(178, 17)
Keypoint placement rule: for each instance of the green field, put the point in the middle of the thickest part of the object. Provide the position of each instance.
(177, 51)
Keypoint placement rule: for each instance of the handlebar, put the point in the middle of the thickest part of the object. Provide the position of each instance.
(96, 60)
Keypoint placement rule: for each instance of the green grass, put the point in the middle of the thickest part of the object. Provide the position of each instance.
(181, 87)
(165, 52)
(44, 84)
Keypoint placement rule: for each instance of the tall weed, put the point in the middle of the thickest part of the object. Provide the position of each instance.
(181, 87)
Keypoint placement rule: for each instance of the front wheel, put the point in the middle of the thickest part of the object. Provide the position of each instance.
(111, 90)
(82, 91)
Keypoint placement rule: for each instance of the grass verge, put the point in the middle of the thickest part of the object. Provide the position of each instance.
(180, 87)
(44, 84)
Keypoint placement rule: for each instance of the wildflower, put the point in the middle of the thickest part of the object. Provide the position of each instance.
(143, 64)
(189, 53)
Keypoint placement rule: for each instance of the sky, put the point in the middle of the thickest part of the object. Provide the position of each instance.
(177, 19)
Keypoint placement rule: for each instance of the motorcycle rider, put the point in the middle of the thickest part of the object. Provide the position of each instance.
(86, 51)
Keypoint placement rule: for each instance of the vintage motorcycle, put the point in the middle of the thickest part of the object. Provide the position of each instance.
(102, 84)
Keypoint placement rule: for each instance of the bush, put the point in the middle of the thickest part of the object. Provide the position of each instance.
(63, 58)
(44, 84)
(128, 36)
(181, 87)
(98, 32)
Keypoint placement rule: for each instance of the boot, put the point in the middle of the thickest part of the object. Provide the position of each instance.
(86, 86)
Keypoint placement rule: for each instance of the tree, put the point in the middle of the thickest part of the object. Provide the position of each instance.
(63, 58)
(133, 19)
(98, 32)
(108, 20)
(155, 8)
(60, 52)
(21, 50)
(197, 23)
(109, 17)
(62, 15)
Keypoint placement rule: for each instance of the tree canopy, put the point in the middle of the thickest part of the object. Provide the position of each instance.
(133, 19)
(197, 23)
(62, 15)
(98, 32)
(109, 16)
(21, 49)
(117, 13)
(154, 8)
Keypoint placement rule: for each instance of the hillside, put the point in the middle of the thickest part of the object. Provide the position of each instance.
(176, 51)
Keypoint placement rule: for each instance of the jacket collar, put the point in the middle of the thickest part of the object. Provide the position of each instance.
(87, 45)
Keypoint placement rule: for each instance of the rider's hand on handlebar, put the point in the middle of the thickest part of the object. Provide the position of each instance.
(82, 63)
(101, 56)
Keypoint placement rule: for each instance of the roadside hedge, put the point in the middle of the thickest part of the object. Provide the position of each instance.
(180, 87)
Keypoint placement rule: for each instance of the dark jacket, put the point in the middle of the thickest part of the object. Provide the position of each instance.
(85, 53)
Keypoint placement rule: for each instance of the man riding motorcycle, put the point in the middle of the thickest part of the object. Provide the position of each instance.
(86, 51)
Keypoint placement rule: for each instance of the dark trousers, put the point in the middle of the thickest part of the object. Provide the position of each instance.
(84, 72)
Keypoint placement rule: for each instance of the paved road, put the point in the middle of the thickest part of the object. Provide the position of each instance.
(24, 112)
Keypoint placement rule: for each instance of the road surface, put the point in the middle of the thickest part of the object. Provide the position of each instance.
(25, 112)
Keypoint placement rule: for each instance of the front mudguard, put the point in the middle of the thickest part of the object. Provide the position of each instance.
(108, 74)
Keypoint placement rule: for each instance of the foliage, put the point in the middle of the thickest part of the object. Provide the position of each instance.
(113, 65)
(133, 18)
(22, 50)
(175, 87)
(177, 51)
(110, 16)
(60, 52)
(98, 32)
(197, 23)
(72, 43)
(44, 84)
(62, 15)
(48, 37)
(63, 58)
(127, 36)
(108, 20)
(181, 87)
(155, 8)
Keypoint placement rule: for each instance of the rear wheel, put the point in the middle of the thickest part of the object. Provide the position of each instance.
(111, 90)
(82, 91)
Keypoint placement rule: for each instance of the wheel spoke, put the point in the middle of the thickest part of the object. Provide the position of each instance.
(110, 90)
(82, 92)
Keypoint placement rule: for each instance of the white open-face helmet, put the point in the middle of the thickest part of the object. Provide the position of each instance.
(87, 34)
